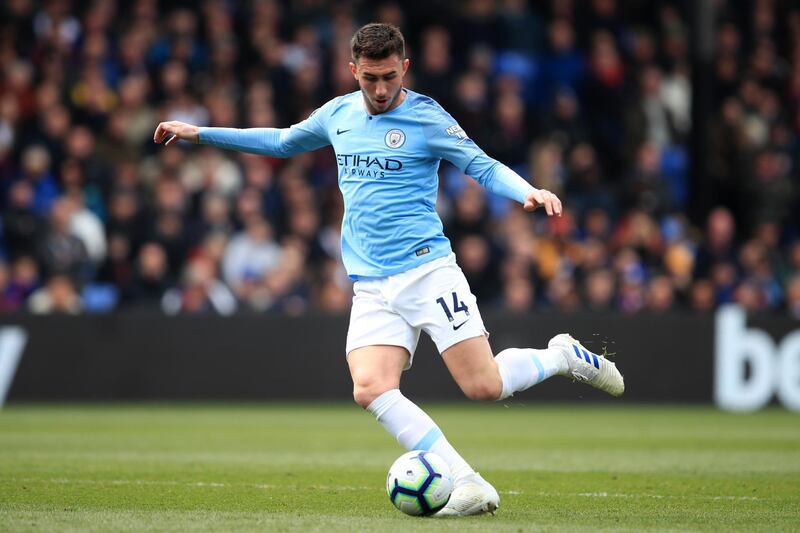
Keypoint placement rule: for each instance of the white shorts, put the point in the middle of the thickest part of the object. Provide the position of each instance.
(434, 297)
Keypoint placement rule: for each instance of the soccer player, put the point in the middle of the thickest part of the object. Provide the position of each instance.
(389, 142)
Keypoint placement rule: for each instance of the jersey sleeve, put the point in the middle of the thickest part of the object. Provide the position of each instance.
(498, 178)
(446, 139)
(304, 136)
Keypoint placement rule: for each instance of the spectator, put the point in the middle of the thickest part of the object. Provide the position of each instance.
(793, 297)
(719, 243)
(519, 295)
(650, 119)
(88, 228)
(250, 255)
(434, 70)
(599, 288)
(62, 252)
(200, 292)
(150, 279)
(36, 170)
(24, 280)
(57, 296)
(648, 188)
(563, 65)
(660, 294)
(21, 226)
(7, 301)
(701, 296)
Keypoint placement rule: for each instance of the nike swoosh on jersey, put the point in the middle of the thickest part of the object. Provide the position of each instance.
(339, 132)
(458, 326)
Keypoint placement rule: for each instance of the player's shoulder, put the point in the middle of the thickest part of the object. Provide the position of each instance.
(426, 109)
(423, 103)
(336, 105)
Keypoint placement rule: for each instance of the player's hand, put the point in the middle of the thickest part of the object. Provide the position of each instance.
(173, 131)
(542, 197)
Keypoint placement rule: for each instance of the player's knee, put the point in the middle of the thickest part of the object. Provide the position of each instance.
(483, 390)
(366, 394)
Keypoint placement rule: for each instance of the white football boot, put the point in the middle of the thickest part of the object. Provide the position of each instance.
(472, 495)
(589, 367)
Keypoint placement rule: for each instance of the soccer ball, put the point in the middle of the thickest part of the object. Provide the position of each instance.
(419, 483)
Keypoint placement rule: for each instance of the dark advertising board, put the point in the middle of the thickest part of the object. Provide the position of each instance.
(740, 364)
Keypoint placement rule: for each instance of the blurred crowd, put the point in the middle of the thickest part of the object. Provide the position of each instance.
(590, 99)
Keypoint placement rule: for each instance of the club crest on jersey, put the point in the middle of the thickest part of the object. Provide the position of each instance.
(395, 138)
(458, 132)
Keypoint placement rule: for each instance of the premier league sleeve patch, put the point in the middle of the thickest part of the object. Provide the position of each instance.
(395, 138)
(458, 132)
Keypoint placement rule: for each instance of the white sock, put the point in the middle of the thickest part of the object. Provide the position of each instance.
(522, 368)
(415, 430)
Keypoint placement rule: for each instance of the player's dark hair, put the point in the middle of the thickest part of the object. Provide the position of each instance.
(377, 41)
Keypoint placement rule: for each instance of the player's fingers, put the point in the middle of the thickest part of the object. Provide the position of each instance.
(548, 204)
(165, 129)
(171, 140)
(158, 133)
(556, 205)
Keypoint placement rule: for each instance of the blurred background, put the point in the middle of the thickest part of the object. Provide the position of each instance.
(669, 129)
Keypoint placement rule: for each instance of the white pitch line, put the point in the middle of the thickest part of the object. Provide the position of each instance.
(201, 484)
(635, 496)
(264, 486)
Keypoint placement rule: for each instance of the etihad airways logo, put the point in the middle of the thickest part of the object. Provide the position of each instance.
(366, 165)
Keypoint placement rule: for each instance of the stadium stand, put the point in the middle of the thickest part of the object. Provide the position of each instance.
(591, 100)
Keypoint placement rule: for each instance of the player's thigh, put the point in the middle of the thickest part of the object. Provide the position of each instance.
(441, 303)
(472, 365)
(374, 323)
(375, 370)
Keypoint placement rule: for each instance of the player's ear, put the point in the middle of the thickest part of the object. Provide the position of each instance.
(353, 70)
(406, 63)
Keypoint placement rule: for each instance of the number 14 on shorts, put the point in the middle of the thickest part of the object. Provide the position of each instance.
(458, 306)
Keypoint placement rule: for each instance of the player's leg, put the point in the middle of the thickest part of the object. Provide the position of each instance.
(376, 374)
(441, 303)
(375, 370)
(484, 377)
(380, 345)
(433, 298)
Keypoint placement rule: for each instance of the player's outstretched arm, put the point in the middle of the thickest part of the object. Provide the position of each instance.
(274, 142)
(173, 131)
(500, 179)
(452, 144)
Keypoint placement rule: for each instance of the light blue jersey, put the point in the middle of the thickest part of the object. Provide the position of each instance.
(388, 174)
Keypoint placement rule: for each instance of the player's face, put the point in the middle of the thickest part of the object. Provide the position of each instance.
(381, 81)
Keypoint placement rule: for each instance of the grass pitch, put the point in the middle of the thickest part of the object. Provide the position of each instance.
(322, 468)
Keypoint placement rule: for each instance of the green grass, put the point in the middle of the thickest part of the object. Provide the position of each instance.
(322, 468)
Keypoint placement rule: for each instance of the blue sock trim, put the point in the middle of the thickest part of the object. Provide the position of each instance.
(428, 440)
(539, 368)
